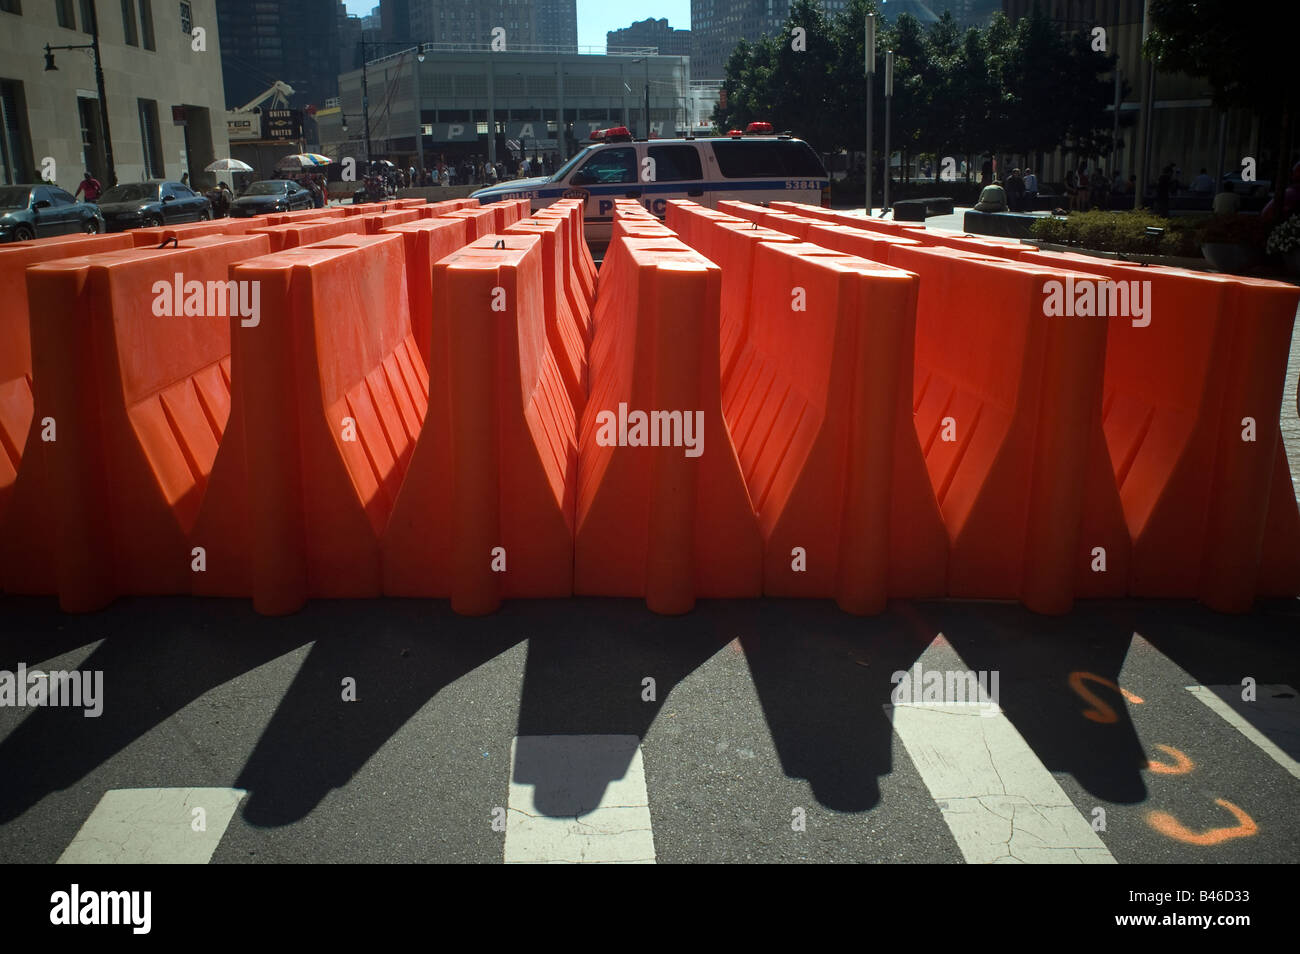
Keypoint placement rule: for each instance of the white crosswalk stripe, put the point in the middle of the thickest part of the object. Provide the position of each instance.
(1272, 721)
(578, 799)
(999, 801)
(154, 826)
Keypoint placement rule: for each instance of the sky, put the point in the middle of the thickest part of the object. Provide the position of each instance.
(597, 17)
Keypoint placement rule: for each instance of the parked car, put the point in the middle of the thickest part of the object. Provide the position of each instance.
(39, 210)
(151, 204)
(271, 195)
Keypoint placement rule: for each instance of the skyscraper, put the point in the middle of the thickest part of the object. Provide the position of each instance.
(526, 22)
(717, 25)
(296, 41)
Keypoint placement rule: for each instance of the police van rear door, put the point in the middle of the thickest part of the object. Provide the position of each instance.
(753, 169)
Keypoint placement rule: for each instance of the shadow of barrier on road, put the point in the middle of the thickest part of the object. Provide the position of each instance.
(821, 677)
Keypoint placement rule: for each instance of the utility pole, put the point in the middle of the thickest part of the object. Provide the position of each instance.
(871, 82)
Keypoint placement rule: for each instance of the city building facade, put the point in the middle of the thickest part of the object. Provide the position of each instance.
(533, 102)
(166, 110)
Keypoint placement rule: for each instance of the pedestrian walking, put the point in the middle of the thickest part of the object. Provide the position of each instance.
(90, 187)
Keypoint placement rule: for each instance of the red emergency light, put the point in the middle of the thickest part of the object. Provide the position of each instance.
(613, 134)
(759, 129)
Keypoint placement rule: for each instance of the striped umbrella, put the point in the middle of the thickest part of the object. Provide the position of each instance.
(303, 160)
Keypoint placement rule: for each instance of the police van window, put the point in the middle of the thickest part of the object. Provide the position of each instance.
(676, 163)
(565, 169)
(756, 158)
(608, 166)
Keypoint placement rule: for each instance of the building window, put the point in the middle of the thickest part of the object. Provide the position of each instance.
(129, 32)
(187, 19)
(66, 13)
(15, 142)
(87, 16)
(146, 24)
(149, 138)
(11, 6)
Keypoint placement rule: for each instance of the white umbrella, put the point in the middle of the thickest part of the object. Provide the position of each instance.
(228, 165)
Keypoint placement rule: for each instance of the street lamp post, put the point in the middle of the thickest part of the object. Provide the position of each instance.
(93, 47)
(889, 95)
(871, 82)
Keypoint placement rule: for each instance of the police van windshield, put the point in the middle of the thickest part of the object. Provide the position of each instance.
(565, 169)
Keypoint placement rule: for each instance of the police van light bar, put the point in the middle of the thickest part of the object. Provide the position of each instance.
(759, 129)
(734, 133)
(613, 134)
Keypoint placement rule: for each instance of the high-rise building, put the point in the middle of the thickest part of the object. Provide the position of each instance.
(295, 41)
(651, 32)
(527, 23)
(717, 25)
(557, 24)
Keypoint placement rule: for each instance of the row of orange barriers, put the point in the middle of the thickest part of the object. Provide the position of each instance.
(230, 413)
(435, 402)
(1070, 456)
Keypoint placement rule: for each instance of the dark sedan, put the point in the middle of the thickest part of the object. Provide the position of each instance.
(271, 195)
(37, 211)
(151, 204)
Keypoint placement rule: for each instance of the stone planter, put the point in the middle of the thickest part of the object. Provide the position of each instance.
(1228, 257)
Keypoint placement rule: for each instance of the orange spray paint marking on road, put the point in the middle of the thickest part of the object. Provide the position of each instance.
(1181, 764)
(1100, 711)
(1167, 824)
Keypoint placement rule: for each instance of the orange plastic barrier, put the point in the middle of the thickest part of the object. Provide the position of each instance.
(819, 407)
(564, 329)
(486, 512)
(152, 238)
(131, 401)
(639, 227)
(410, 203)
(1212, 516)
(864, 243)
(507, 212)
(1008, 405)
(306, 232)
(328, 394)
(379, 221)
(732, 246)
(427, 242)
(482, 220)
(574, 209)
(15, 340)
(686, 218)
(433, 210)
(788, 222)
(304, 215)
(670, 522)
(580, 296)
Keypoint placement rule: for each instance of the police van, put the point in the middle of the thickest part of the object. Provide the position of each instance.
(755, 166)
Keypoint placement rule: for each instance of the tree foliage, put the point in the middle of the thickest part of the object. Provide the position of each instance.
(1020, 87)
